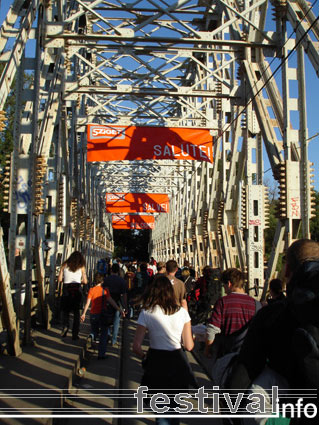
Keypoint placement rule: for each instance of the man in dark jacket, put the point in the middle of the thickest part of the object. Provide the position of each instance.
(285, 335)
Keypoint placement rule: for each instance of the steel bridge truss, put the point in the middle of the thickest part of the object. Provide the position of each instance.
(201, 64)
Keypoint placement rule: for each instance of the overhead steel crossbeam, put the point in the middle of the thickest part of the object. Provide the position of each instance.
(124, 69)
(154, 65)
(130, 83)
(146, 176)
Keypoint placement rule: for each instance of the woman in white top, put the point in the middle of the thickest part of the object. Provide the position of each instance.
(72, 274)
(165, 366)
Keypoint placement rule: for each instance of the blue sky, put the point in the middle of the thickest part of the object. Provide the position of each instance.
(312, 90)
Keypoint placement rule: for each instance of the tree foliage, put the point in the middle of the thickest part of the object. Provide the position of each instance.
(314, 222)
(270, 231)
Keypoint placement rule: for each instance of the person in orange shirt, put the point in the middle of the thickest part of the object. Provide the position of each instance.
(99, 296)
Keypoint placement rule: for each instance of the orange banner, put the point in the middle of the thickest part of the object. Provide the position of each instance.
(133, 221)
(115, 143)
(132, 218)
(137, 202)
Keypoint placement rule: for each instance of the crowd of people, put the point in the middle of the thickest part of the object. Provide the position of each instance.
(250, 342)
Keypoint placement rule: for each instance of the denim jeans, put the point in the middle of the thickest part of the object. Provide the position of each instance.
(97, 327)
(116, 326)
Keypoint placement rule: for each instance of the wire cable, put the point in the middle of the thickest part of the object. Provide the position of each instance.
(270, 77)
(289, 38)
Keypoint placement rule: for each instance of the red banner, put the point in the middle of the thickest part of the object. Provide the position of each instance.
(133, 221)
(137, 202)
(132, 218)
(115, 143)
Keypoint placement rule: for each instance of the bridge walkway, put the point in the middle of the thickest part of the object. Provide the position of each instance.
(59, 376)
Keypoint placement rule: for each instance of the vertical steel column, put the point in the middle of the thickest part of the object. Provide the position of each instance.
(305, 188)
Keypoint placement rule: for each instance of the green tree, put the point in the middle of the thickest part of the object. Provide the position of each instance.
(314, 222)
(270, 231)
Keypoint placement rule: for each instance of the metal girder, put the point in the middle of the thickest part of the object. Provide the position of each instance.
(188, 64)
(238, 210)
(20, 39)
(306, 26)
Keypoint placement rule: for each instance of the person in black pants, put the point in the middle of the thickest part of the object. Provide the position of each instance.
(71, 276)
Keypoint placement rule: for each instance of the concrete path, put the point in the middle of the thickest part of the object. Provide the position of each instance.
(132, 371)
(48, 378)
(36, 382)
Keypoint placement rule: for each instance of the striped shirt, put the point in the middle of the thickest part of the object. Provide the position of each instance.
(232, 312)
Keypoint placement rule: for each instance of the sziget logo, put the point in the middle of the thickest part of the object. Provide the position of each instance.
(110, 197)
(103, 132)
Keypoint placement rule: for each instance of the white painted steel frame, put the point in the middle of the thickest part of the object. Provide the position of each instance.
(190, 64)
